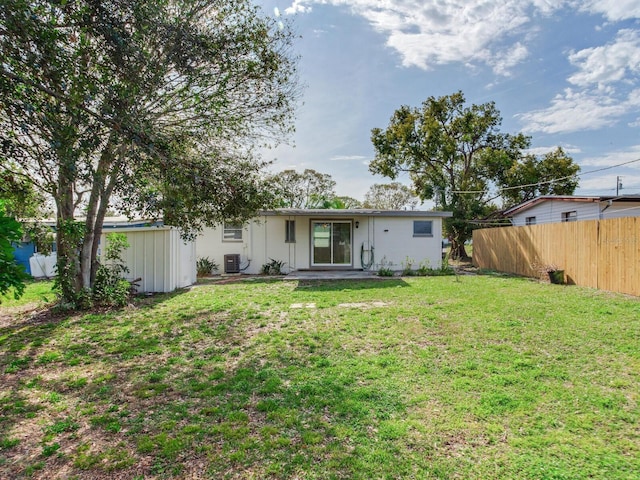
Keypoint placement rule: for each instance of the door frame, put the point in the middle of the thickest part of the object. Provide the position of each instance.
(333, 266)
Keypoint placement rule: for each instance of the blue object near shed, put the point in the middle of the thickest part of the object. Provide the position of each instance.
(23, 252)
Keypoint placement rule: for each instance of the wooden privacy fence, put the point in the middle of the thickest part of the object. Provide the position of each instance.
(602, 254)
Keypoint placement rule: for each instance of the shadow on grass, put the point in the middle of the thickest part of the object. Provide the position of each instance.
(164, 394)
(340, 285)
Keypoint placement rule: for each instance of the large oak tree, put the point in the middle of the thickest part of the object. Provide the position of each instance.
(154, 105)
(456, 155)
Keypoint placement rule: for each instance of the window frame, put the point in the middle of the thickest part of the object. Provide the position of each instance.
(235, 229)
(530, 220)
(419, 233)
(289, 231)
(570, 216)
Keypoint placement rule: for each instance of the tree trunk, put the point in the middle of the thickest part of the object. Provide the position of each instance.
(67, 239)
(458, 251)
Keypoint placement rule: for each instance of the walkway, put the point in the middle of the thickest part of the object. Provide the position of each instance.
(330, 275)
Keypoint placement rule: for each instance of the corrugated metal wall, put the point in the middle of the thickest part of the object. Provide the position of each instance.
(160, 258)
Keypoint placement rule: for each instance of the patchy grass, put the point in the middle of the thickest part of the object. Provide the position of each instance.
(37, 293)
(474, 378)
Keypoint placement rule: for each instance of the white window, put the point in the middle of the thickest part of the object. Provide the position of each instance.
(423, 228)
(232, 232)
(290, 231)
(571, 216)
(530, 220)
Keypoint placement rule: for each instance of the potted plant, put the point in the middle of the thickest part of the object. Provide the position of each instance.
(550, 271)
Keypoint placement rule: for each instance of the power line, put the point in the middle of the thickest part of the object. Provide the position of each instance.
(547, 181)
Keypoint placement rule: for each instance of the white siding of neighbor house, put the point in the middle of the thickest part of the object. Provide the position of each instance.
(550, 211)
(620, 209)
(264, 240)
(159, 257)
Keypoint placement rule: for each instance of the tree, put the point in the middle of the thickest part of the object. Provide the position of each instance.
(21, 199)
(309, 189)
(552, 174)
(157, 105)
(23, 202)
(12, 275)
(349, 202)
(390, 196)
(446, 148)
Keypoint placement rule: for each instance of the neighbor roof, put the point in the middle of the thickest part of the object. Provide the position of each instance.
(569, 198)
(354, 212)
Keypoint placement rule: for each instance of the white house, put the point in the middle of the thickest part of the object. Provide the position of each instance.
(571, 208)
(303, 239)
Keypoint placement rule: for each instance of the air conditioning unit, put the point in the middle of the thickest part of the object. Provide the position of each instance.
(232, 263)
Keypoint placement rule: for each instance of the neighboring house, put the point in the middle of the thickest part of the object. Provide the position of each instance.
(571, 208)
(353, 239)
(157, 256)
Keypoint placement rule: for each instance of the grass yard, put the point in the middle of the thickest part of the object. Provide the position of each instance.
(486, 377)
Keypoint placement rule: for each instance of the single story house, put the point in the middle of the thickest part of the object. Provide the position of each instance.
(308, 239)
(571, 208)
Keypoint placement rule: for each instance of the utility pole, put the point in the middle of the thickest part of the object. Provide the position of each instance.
(618, 184)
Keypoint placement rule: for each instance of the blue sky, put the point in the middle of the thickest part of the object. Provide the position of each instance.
(565, 72)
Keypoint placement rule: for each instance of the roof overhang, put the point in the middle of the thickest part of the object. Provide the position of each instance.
(545, 198)
(354, 212)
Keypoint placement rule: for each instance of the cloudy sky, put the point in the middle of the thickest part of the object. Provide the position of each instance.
(565, 72)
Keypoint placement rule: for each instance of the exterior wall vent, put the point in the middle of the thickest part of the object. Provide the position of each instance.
(232, 263)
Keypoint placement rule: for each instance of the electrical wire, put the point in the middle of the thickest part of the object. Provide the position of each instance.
(577, 175)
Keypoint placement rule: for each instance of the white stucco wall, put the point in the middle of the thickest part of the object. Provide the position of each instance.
(391, 238)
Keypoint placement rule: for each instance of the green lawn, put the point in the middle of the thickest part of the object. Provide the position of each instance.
(434, 377)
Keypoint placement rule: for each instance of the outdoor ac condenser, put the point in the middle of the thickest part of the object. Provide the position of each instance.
(232, 263)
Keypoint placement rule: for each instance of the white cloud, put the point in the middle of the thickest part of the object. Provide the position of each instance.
(434, 32)
(503, 62)
(608, 63)
(568, 149)
(617, 157)
(614, 10)
(348, 158)
(606, 184)
(298, 6)
(573, 111)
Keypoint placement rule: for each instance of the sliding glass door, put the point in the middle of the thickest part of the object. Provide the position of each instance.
(331, 243)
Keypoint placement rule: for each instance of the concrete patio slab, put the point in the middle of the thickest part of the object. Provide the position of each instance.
(330, 275)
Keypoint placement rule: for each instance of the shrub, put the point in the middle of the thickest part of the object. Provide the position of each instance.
(385, 268)
(205, 266)
(274, 267)
(110, 287)
(407, 269)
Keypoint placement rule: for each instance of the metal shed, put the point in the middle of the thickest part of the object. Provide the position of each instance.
(158, 257)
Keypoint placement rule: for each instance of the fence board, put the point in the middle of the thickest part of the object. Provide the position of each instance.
(601, 254)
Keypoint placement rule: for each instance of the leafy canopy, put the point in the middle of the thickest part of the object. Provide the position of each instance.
(457, 155)
(390, 196)
(152, 107)
(309, 189)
